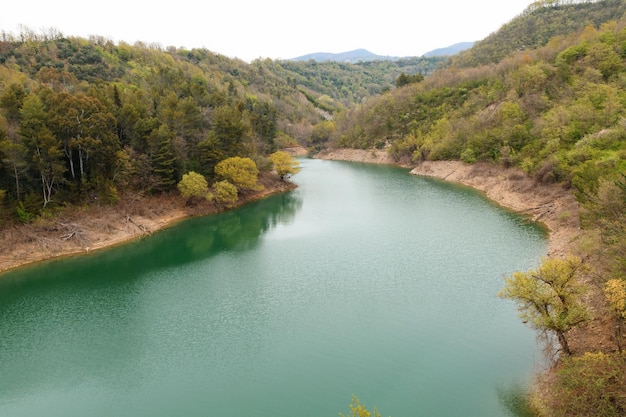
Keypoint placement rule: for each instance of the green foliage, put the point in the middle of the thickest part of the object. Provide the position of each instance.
(537, 25)
(193, 185)
(241, 172)
(284, 164)
(590, 385)
(352, 83)
(162, 159)
(23, 215)
(225, 193)
(468, 156)
(605, 217)
(549, 298)
(615, 293)
(404, 79)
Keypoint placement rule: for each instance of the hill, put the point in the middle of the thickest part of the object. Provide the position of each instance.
(544, 95)
(358, 55)
(88, 123)
(542, 21)
(450, 50)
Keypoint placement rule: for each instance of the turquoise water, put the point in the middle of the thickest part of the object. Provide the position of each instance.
(365, 281)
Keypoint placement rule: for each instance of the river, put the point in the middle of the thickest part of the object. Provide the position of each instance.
(365, 280)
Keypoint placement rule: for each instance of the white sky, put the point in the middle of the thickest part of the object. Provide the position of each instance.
(250, 29)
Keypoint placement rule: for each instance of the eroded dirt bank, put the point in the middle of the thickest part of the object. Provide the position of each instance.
(83, 230)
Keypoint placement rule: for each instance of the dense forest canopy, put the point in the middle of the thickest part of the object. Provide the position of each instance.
(83, 120)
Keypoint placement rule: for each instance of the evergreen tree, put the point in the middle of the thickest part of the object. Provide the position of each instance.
(163, 160)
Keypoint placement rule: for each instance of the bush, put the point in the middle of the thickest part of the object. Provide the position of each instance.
(23, 214)
(193, 185)
(468, 156)
(225, 193)
(241, 172)
(590, 385)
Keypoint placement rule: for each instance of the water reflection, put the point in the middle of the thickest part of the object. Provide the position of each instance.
(80, 318)
(354, 283)
(190, 241)
(515, 399)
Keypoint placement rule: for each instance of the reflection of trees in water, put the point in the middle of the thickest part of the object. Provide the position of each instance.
(192, 240)
(241, 229)
(74, 288)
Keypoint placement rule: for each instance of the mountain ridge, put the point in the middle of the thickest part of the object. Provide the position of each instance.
(363, 55)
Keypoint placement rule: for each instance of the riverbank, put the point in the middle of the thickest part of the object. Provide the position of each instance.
(81, 230)
(511, 188)
(550, 204)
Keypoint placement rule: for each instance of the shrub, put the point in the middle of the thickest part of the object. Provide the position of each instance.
(225, 193)
(590, 385)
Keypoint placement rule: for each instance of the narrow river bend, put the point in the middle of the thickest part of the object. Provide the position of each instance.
(365, 280)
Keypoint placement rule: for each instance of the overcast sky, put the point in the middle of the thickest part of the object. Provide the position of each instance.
(250, 29)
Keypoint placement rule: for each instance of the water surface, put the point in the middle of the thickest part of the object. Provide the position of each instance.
(365, 280)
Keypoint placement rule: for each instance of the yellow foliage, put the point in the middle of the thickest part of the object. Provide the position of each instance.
(550, 297)
(193, 185)
(615, 292)
(358, 410)
(225, 193)
(241, 172)
(284, 163)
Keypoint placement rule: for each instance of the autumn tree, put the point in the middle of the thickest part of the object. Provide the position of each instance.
(241, 172)
(284, 164)
(549, 298)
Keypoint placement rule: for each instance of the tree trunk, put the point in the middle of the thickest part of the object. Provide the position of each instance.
(563, 342)
(17, 182)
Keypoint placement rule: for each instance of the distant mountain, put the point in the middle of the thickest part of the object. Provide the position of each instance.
(358, 55)
(450, 50)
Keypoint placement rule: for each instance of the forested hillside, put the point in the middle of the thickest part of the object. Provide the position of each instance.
(83, 120)
(547, 94)
(537, 25)
(87, 122)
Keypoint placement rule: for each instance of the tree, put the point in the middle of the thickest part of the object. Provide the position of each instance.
(193, 185)
(14, 157)
(11, 101)
(404, 79)
(225, 193)
(284, 164)
(549, 298)
(231, 130)
(241, 172)
(162, 158)
(42, 147)
(87, 132)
